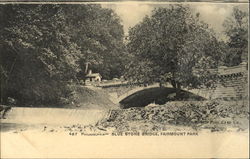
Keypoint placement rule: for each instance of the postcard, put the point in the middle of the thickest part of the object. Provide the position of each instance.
(124, 79)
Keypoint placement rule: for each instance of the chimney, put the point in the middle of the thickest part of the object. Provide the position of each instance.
(90, 72)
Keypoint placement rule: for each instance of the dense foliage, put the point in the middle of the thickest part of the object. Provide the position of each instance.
(44, 47)
(236, 29)
(169, 45)
(99, 34)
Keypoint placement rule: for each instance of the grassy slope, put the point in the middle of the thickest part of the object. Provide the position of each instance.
(87, 98)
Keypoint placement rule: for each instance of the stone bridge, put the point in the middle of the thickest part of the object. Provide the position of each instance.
(232, 85)
(120, 92)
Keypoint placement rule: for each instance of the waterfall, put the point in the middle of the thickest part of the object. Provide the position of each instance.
(54, 116)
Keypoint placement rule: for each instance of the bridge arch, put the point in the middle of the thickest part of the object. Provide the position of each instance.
(158, 95)
(134, 90)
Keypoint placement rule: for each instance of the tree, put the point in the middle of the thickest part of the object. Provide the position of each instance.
(236, 28)
(37, 55)
(45, 47)
(99, 34)
(169, 45)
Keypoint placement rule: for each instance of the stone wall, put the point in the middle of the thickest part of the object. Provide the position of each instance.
(232, 84)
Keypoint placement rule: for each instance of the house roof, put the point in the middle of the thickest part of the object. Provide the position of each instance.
(93, 75)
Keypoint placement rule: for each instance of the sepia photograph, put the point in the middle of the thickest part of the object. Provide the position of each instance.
(124, 79)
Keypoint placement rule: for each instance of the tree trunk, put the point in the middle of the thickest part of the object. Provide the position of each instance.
(160, 84)
(177, 86)
(178, 92)
(173, 83)
(86, 67)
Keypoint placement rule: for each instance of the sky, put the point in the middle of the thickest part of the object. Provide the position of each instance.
(214, 14)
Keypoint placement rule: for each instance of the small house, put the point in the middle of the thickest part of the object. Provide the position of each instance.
(93, 77)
